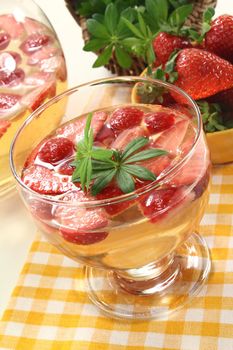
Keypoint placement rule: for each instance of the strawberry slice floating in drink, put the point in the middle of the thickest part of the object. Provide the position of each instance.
(124, 118)
(74, 131)
(10, 25)
(81, 225)
(4, 40)
(46, 181)
(35, 42)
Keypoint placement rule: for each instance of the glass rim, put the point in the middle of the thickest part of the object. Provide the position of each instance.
(124, 197)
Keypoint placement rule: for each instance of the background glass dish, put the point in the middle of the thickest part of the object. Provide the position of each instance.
(32, 70)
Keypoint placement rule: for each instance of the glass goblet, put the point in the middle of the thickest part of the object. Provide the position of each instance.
(147, 260)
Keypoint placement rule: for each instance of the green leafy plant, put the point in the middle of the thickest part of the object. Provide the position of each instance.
(125, 29)
(100, 165)
(211, 116)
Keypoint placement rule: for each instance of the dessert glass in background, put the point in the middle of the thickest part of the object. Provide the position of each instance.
(32, 70)
(144, 258)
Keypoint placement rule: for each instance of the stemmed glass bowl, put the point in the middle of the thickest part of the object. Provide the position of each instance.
(147, 261)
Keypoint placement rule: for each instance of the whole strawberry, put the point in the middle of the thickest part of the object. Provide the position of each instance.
(219, 39)
(164, 44)
(202, 73)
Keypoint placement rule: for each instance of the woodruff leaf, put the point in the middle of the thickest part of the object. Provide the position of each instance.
(147, 154)
(102, 181)
(104, 57)
(123, 58)
(125, 181)
(133, 146)
(97, 29)
(139, 171)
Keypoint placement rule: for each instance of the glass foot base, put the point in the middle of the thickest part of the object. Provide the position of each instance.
(161, 296)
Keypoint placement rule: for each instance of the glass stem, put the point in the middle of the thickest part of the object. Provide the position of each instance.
(149, 279)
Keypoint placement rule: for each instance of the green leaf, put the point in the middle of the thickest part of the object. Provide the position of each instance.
(101, 153)
(97, 29)
(98, 17)
(95, 45)
(104, 57)
(88, 173)
(179, 15)
(123, 58)
(99, 165)
(208, 14)
(139, 171)
(122, 29)
(142, 25)
(150, 54)
(125, 181)
(157, 9)
(133, 28)
(143, 155)
(90, 140)
(83, 172)
(111, 18)
(87, 126)
(133, 146)
(130, 43)
(102, 182)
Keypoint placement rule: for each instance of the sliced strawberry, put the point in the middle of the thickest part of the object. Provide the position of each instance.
(126, 136)
(82, 238)
(105, 136)
(66, 168)
(41, 210)
(112, 191)
(171, 139)
(32, 26)
(195, 167)
(54, 64)
(55, 150)
(4, 40)
(81, 225)
(74, 131)
(159, 121)
(159, 203)
(35, 42)
(4, 125)
(61, 71)
(39, 78)
(11, 78)
(202, 184)
(124, 118)
(7, 101)
(45, 181)
(43, 54)
(35, 98)
(9, 24)
(157, 165)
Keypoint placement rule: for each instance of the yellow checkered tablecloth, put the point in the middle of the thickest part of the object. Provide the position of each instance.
(49, 308)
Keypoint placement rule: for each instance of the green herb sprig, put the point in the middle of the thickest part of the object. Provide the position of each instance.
(96, 167)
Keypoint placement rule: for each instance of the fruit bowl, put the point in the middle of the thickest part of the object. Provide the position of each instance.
(121, 188)
(32, 70)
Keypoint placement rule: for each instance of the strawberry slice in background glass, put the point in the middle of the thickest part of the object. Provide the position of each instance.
(121, 188)
(32, 70)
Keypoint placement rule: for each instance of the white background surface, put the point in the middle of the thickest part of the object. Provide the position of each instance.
(17, 230)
